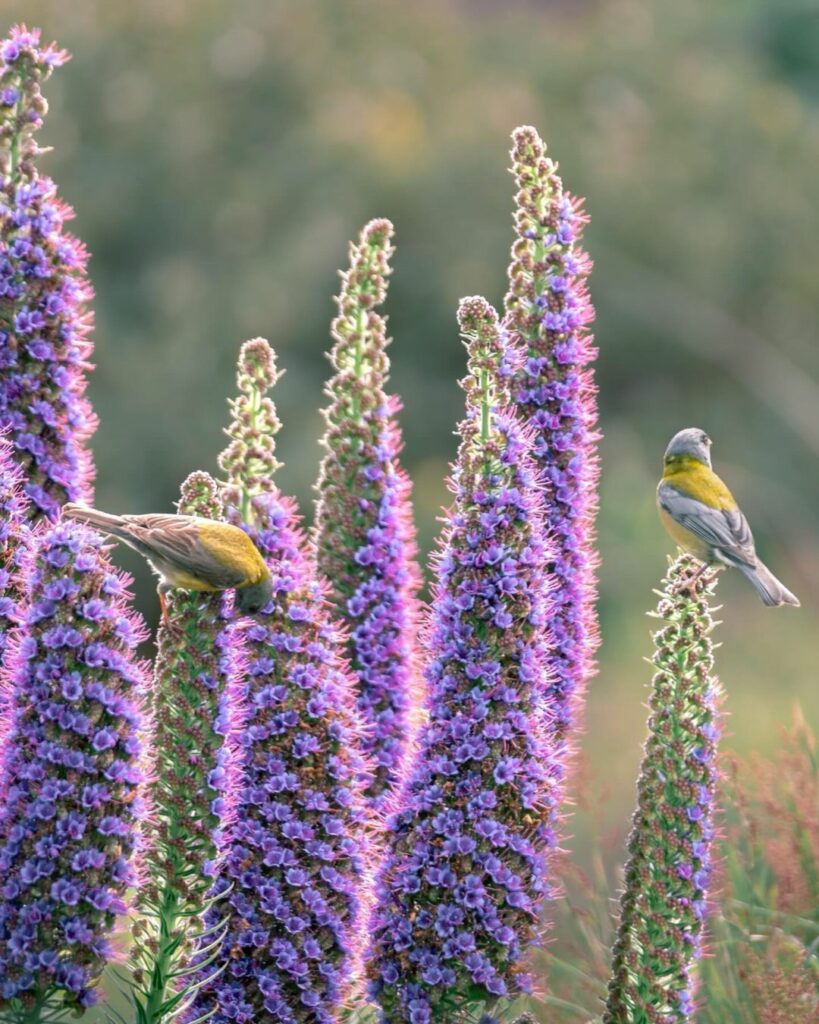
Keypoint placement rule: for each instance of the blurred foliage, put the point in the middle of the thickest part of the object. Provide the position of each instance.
(220, 155)
(761, 961)
(764, 962)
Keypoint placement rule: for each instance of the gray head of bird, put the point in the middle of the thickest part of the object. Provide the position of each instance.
(250, 600)
(692, 443)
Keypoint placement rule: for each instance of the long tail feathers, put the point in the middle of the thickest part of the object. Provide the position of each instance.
(113, 525)
(772, 592)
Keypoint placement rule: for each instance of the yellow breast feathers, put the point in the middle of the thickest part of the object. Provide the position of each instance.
(694, 479)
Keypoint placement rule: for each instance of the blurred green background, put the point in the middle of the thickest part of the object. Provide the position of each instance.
(220, 155)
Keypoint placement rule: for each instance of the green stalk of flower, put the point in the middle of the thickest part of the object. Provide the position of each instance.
(194, 777)
(663, 906)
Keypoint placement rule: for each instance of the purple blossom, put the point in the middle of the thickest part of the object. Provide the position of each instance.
(71, 792)
(663, 907)
(296, 859)
(363, 535)
(470, 838)
(297, 853)
(44, 296)
(547, 313)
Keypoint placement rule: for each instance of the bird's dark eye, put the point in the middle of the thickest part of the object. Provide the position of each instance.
(705, 439)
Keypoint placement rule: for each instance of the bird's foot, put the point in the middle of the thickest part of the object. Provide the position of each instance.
(171, 628)
(167, 624)
(689, 584)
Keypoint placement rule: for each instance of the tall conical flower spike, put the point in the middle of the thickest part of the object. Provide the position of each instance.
(298, 850)
(196, 707)
(363, 535)
(547, 313)
(44, 296)
(663, 907)
(460, 894)
(70, 773)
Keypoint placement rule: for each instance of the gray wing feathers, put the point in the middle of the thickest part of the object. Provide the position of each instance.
(167, 541)
(726, 530)
(175, 540)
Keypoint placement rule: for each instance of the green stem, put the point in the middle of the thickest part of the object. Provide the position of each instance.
(775, 915)
(14, 150)
(569, 968)
(156, 994)
(246, 496)
(358, 358)
(486, 406)
(35, 1014)
(564, 1004)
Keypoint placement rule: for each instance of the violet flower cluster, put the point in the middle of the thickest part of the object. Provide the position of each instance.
(547, 313)
(364, 537)
(44, 296)
(13, 532)
(196, 712)
(460, 895)
(71, 773)
(298, 849)
(664, 903)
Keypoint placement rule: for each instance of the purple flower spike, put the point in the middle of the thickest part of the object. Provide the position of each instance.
(71, 773)
(460, 894)
(198, 714)
(298, 851)
(44, 296)
(364, 537)
(663, 907)
(547, 313)
(13, 534)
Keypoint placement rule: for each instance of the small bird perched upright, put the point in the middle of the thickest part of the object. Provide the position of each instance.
(701, 515)
(190, 553)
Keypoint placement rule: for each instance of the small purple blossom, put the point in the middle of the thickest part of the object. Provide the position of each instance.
(663, 907)
(71, 791)
(44, 296)
(466, 874)
(363, 534)
(547, 313)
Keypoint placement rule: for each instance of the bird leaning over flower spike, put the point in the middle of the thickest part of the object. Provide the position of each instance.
(702, 516)
(190, 552)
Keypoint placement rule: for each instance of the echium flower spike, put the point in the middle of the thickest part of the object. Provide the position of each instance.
(13, 534)
(250, 459)
(363, 534)
(663, 906)
(547, 313)
(298, 850)
(460, 895)
(71, 770)
(196, 711)
(44, 296)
